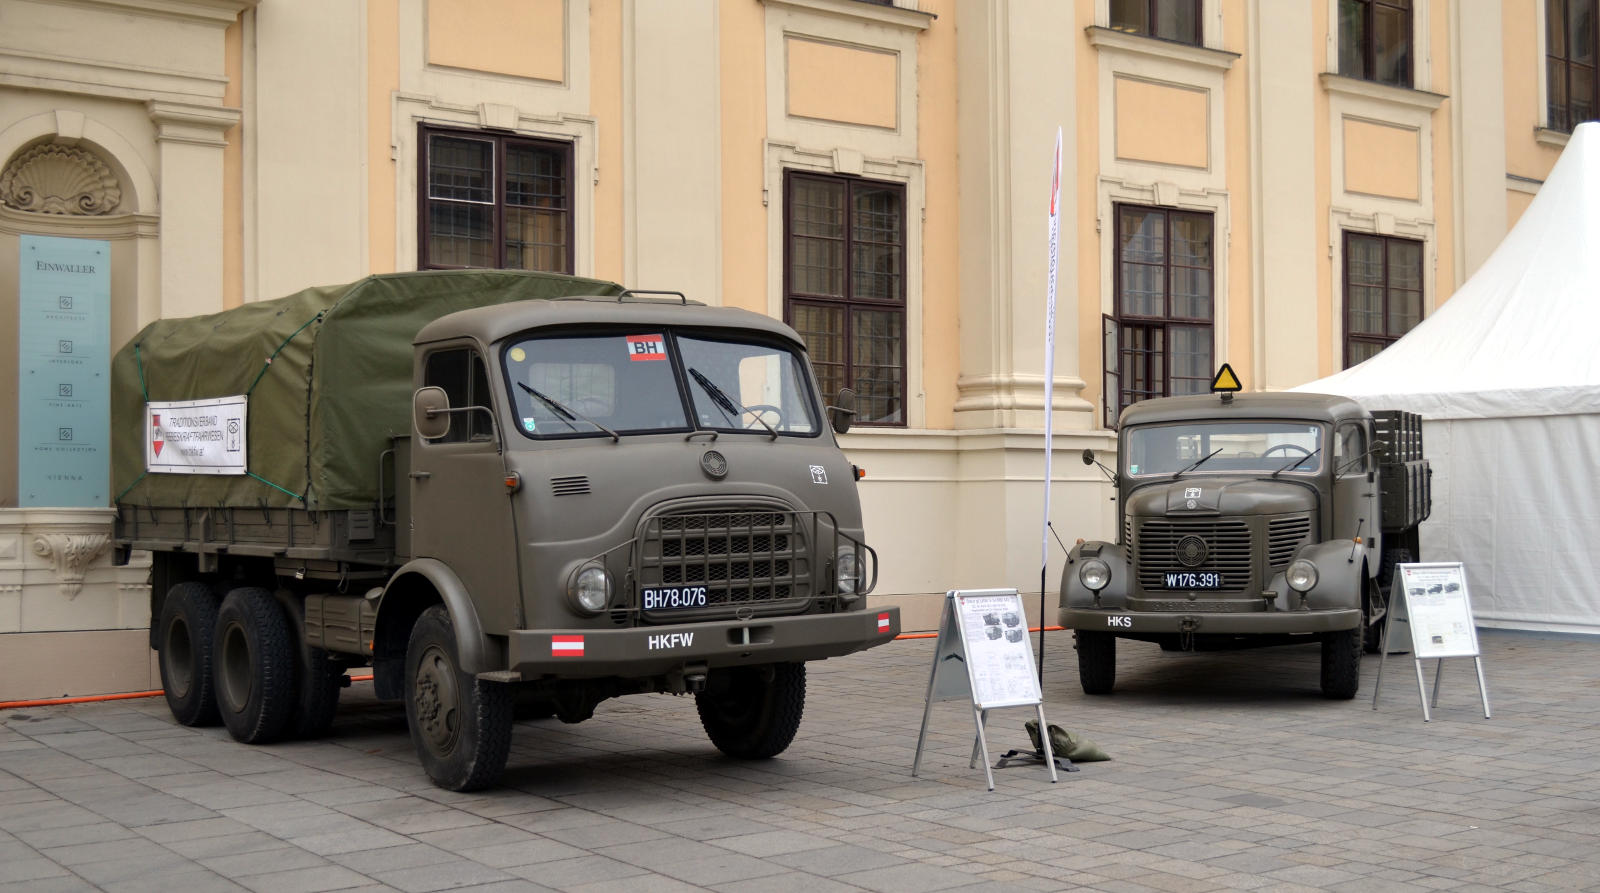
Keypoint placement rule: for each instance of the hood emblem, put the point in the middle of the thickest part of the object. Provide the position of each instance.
(714, 464)
(1192, 551)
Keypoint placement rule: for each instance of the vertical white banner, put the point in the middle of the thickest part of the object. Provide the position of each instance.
(1050, 356)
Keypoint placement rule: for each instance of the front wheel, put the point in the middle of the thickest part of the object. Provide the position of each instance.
(752, 713)
(1097, 661)
(1341, 663)
(460, 726)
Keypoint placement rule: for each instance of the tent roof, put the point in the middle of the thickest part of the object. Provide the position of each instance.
(1519, 337)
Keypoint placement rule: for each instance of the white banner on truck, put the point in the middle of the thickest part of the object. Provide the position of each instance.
(196, 436)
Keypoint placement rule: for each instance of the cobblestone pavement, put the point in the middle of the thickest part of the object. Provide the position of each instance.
(1228, 772)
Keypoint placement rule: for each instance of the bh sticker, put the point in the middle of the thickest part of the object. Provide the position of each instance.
(819, 475)
(647, 347)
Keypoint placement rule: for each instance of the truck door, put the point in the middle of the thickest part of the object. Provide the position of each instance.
(1355, 489)
(460, 510)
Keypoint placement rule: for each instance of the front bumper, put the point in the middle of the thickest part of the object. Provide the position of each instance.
(646, 651)
(1231, 623)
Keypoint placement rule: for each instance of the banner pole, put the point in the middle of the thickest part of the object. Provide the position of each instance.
(1049, 381)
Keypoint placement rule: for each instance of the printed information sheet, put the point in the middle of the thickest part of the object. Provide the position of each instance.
(999, 652)
(1439, 610)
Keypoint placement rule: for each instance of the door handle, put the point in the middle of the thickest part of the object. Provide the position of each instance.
(421, 475)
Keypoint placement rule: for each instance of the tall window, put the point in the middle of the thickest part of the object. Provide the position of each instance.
(495, 201)
(1158, 340)
(1382, 292)
(844, 286)
(1375, 40)
(1167, 19)
(1572, 31)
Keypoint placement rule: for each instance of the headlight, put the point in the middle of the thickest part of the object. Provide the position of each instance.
(847, 571)
(1301, 575)
(590, 588)
(1094, 574)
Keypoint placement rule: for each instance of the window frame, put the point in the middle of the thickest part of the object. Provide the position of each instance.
(1150, 18)
(425, 134)
(1369, 49)
(1568, 120)
(848, 302)
(1115, 325)
(1386, 338)
(465, 419)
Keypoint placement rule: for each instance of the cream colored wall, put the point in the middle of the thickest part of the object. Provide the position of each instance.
(850, 85)
(605, 105)
(1241, 242)
(1522, 27)
(1161, 123)
(233, 173)
(1381, 159)
(937, 138)
(741, 28)
(383, 79)
(527, 38)
(1444, 160)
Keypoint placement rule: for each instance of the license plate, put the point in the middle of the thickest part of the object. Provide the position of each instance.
(669, 598)
(1192, 580)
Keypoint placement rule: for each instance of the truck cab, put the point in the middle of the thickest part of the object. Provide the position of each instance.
(1255, 519)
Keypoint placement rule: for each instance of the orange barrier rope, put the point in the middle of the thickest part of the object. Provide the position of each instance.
(90, 699)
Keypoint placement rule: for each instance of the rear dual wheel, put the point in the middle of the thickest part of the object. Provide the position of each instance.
(187, 633)
(256, 664)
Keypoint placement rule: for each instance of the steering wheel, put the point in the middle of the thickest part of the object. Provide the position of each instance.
(1286, 447)
(759, 411)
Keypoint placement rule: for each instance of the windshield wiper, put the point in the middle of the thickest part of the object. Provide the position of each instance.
(566, 413)
(1297, 461)
(726, 403)
(1197, 463)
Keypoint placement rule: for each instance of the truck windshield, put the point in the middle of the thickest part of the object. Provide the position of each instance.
(590, 385)
(1249, 447)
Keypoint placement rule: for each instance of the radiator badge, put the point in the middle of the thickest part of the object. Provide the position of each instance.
(714, 464)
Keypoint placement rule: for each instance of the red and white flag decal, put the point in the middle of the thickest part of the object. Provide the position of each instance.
(883, 623)
(155, 432)
(566, 646)
(647, 347)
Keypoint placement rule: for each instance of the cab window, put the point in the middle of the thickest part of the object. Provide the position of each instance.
(461, 374)
(1350, 449)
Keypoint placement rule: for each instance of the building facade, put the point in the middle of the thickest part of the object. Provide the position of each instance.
(1286, 187)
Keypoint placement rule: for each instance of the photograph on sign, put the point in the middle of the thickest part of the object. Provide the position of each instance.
(1439, 610)
(196, 436)
(999, 653)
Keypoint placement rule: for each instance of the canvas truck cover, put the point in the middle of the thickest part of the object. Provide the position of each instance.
(327, 372)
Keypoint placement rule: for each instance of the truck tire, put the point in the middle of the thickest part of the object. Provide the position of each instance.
(188, 627)
(460, 726)
(320, 682)
(1097, 661)
(749, 717)
(1341, 663)
(255, 666)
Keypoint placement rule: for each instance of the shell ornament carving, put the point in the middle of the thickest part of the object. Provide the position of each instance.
(56, 179)
(72, 554)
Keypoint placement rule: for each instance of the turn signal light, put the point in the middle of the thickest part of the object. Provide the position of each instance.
(513, 482)
(859, 471)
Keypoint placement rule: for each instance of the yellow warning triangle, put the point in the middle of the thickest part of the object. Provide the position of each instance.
(1226, 380)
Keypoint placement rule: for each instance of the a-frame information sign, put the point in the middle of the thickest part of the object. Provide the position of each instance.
(1439, 612)
(983, 656)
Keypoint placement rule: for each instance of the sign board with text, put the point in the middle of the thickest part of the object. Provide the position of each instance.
(196, 436)
(1439, 610)
(63, 371)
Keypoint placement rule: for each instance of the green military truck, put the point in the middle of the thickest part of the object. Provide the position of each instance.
(1257, 519)
(508, 493)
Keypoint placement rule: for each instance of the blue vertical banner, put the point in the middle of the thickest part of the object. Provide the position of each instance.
(64, 372)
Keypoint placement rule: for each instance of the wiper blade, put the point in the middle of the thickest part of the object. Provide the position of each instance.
(1197, 463)
(566, 413)
(1297, 461)
(727, 404)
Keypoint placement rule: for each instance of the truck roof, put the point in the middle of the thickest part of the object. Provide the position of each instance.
(489, 324)
(1280, 405)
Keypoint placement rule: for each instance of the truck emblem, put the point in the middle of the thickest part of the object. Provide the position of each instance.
(1192, 551)
(819, 475)
(1191, 493)
(714, 464)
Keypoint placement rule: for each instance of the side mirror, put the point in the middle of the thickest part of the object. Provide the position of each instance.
(430, 412)
(843, 412)
(1088, 456)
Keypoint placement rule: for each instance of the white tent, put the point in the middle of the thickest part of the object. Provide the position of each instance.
(1506, 375)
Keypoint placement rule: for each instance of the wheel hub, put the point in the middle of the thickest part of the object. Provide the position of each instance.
(437, 702)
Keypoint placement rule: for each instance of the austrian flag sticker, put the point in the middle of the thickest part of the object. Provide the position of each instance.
(883, 622)
(566, 646)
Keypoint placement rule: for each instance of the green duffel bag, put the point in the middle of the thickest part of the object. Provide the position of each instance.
(1077, 748)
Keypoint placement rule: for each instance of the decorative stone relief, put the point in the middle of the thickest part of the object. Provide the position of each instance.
(54, 179)
(72, 554)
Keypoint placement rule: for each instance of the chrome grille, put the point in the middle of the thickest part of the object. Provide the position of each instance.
(1227, 542)
(743, 558)
(1284, 536)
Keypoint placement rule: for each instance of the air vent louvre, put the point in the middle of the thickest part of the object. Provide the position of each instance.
(570, 485)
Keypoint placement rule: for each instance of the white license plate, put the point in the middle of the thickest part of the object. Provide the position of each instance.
(668, 598)
(1192, 580)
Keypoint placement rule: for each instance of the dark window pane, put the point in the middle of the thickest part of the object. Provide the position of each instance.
(1361, 351)
(1178, 20)
(1383, 292)
(816, 242)
(1583, 99)
(1555, 27)
(1391, 30)
(1405, 263)
(536, 240)
(1132, 16)
(477, 215)
(1580, 22)
(460, 235)
(1143, 235)
(878, 365)
(1191, 293)
(1352, 38)
(535, 177)
(1164, 275)
(1556, 81)
(461, 170)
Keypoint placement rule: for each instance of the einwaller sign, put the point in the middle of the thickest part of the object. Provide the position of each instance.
(196, 436)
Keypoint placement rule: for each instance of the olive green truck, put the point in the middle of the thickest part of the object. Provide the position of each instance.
(1261, 519)
(509, 494)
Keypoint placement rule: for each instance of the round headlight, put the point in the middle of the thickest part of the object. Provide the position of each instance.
(847, 571)
(1301, 575)
(590, 588)
(1094, 574)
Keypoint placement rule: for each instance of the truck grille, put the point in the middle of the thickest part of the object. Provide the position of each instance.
(744, 559)
(1284, 536)
(1228, 546)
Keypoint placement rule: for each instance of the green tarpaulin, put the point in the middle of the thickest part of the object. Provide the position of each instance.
(328, 375)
